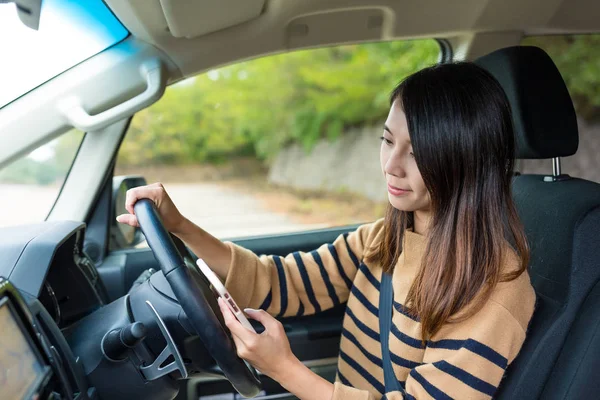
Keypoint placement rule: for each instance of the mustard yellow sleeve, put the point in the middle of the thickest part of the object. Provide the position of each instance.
(299, 283)
(467, 360)
(341, 391)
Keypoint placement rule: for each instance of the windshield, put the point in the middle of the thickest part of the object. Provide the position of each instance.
(31, 184)
(70, 31)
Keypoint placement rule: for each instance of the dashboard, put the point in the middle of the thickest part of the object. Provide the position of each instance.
(61, 338)
(47, 262)
(47, 283)
(72, 288)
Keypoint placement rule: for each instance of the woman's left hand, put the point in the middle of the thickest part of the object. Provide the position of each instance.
(270, 351)
(271, 354)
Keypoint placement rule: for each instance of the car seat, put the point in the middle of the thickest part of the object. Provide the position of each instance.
(560, 358)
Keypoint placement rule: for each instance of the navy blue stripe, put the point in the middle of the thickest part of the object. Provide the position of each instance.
(363, 372)
(300, 309)
(306, 280)
(374, 359)
(466, 378)
(429, 388)
(404, 338)
(416, 343)
(267, 302)
(365, 270)
(343, 379)
(282, 286)
(350, 252)
(402, 310)
(403, 362)
(339, 265)
(473, 345)
(365, 302)
(364, 328)
(325, 276)
(487, 353)
(448, 344)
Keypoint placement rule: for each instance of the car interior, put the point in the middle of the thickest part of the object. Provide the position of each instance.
(83, 320)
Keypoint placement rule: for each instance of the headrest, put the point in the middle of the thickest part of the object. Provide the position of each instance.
(543, 114)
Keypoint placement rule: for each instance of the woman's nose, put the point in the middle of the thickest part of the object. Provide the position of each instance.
(394, 166)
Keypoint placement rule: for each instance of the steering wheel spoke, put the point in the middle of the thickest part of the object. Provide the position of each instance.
(155, 370)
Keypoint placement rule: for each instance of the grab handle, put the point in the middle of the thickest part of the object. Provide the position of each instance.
(79, 118)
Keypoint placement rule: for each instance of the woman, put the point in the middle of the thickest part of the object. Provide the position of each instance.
(438, 296)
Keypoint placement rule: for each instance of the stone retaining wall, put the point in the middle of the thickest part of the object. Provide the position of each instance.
(351, 163)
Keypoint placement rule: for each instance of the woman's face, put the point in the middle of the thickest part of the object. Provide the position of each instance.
(405, 186)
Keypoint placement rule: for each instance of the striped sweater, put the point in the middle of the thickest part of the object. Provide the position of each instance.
(464, 360)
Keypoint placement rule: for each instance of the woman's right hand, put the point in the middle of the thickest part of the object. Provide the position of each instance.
(216, 253)
(172, 218)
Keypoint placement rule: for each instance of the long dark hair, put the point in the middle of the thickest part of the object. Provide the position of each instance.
(460, 126)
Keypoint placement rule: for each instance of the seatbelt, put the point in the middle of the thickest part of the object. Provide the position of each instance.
(386, 298)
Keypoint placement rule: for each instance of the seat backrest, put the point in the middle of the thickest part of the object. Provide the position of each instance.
(560, 358)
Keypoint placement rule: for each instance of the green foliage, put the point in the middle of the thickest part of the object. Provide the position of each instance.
(28, 171)
(256, 107)
(578, 60)
(47, 165)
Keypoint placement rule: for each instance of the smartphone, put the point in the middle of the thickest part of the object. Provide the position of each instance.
(224, 294)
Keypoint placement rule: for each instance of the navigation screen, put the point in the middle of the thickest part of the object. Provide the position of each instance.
(20, 368)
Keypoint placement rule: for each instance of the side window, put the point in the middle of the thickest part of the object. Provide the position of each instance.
(578, 60)
(31, 184)
(282, 143)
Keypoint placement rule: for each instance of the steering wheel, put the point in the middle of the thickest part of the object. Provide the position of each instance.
(190, 293)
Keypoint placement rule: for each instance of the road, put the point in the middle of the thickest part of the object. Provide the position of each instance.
(227, 213)
(222, 211)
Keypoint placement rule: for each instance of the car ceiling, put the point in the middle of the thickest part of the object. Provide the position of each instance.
(199, 34)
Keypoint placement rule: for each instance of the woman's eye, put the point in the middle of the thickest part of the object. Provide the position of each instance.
(386, 141)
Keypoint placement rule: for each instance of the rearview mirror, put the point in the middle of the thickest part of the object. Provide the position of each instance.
(28, 11)
(124, 236)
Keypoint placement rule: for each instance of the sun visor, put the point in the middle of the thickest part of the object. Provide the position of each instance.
(190, 19)
(337, 26)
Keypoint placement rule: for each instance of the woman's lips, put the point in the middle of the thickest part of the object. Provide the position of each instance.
(394, 191)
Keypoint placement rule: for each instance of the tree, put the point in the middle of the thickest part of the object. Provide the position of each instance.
(256, 107)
